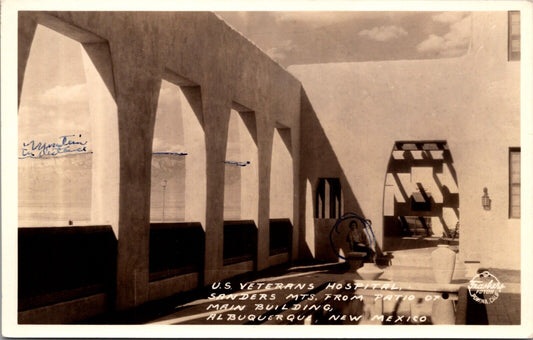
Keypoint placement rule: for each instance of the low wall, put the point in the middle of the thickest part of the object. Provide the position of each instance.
(240, 242)
(59, 265)
(176, 249)
(280, 236)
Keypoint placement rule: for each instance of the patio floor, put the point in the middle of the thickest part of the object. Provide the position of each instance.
(292, 285)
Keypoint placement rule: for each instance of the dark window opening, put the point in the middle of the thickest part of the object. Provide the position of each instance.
(514, 35)
(514, 183)
(328, 198)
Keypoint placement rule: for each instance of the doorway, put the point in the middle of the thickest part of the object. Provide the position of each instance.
(421, 196)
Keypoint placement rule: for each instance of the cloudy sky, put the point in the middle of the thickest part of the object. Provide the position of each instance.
(54, 98)
(325, 37)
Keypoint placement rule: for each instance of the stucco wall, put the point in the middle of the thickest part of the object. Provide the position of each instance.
(351, 115)
(472, 102)
(135, 51)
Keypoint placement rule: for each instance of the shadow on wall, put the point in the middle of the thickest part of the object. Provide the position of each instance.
(318, 160)
(421, 202)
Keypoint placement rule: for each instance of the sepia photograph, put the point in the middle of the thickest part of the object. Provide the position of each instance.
(166, 167)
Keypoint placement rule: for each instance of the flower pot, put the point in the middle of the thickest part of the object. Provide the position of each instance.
(443, 263)
(369, 271)
(355, 260)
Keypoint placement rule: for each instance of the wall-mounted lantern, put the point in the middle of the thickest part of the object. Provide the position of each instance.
(485, 199)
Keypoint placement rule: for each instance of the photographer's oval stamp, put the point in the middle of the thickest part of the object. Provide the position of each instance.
(485, 288)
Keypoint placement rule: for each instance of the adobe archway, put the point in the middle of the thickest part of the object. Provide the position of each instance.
(421, 197)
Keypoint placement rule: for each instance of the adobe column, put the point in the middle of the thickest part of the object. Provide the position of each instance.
(265, 136)
(137, 83)
(216, 120)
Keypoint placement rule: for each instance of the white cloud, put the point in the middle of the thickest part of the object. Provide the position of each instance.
(310, 17)
(64, 94)
(280, 52)
(162, 145)
(383, 33)
(449, 17)
(48, 123)
(453, 43)
(276, 53)
(323, 18)
(432, 43)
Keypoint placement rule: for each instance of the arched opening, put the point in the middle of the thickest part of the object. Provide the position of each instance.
(241, 171)
(68, 139)
(421, 198)
(178, 154)
(281, 176)
(167, 199)
(177, 201)
(241, 187)
(309, 220)
(232, 170)
(281, 193)
(68, 172)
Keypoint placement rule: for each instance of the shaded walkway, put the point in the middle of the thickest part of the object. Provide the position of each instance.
(269, 296)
